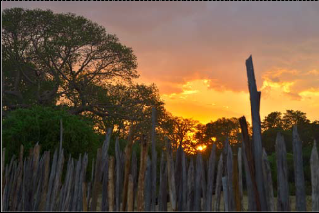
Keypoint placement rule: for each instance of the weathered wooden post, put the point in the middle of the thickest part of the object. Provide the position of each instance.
(298, 168)
(231, 198)
(130, 197)
(162, 198)
(118, 175)
(177, 174)
(255, 106)
(148, 185)
(184, 182)
(240, 177)
(218, 183)
(111, 185)
(225, 193)
(314, 164)
(128, 154)
(283, 203)
(154, 159)
(198, 185)
(171, 175)
(134, 175)
(82, 194)
(45, 180)
(249, 164)
(237, 200)
(96, 183)
(190, 186)
(210, 179)
(141, 177)
(3, 170)
(203, 183)
(104, 169)
(268, 185)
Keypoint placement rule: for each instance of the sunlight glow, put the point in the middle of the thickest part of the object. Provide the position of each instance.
(201, 148)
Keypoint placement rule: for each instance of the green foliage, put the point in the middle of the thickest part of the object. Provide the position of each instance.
(42, 125)
(306, 153)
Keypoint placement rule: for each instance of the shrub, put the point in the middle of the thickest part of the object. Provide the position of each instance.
(42, 124)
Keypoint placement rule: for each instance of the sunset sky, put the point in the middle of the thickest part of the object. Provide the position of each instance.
(195, 52)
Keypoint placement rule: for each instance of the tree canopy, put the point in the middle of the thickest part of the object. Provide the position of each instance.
(51, 58)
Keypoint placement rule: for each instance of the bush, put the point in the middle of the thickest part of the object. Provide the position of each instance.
(42, 124)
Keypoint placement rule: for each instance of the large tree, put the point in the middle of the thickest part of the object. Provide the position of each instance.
(272, 120)
(51, 58)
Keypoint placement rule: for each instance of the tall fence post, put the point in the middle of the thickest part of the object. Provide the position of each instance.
(141, 177)
(314, 164)
(154, 159)
(198, 185)
(171, 175)
(128, 154)
(240, 177)
(210, 179)
(130, 200)
(298, 168)
(118, 175)
(111, 184)
(162, 198)
(218, 183)
(148, 185)
(184, 182)
(190, 186)
(249, 164)
(255, 107)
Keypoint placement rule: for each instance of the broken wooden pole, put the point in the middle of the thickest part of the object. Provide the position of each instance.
(255, 106)
(249, 163)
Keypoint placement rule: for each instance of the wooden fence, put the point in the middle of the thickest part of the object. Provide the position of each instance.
(34, 182)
